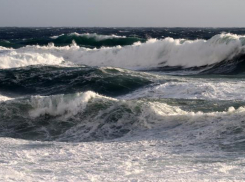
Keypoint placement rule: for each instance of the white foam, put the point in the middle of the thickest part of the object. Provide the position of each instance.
(5, 48)
(4, 98)
(15, 58)
(154, 53)
(91, 35)
(57, 105)
(194, 89)
(56, 36)
(134, 160)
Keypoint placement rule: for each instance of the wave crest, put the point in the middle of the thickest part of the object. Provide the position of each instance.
(93, 35)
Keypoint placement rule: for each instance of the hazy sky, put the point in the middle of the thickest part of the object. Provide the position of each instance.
(118, 13)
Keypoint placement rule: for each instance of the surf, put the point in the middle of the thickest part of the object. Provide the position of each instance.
(151, 55)
(87, 116)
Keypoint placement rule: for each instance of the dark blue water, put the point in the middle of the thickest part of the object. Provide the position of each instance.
(18, 37)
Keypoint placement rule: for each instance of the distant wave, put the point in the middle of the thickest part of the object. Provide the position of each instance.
(88, 35)
(83, 40)
(94, 40)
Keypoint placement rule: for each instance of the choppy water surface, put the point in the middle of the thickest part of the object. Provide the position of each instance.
(122, 104)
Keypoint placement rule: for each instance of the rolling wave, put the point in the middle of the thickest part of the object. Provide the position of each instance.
(89, 116)
(153, 54)
(46, 80)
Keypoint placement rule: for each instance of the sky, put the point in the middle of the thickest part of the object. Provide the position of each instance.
(122, 13)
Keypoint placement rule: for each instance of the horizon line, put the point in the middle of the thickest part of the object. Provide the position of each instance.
(117, 27)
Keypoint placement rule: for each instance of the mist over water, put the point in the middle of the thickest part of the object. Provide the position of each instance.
(116, 104)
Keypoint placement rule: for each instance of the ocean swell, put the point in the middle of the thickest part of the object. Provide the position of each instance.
(49, 80)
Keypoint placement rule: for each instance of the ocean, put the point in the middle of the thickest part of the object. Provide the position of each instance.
(122, 104)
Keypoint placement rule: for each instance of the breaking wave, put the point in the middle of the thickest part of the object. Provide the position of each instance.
(153, 54)
(89, 116)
